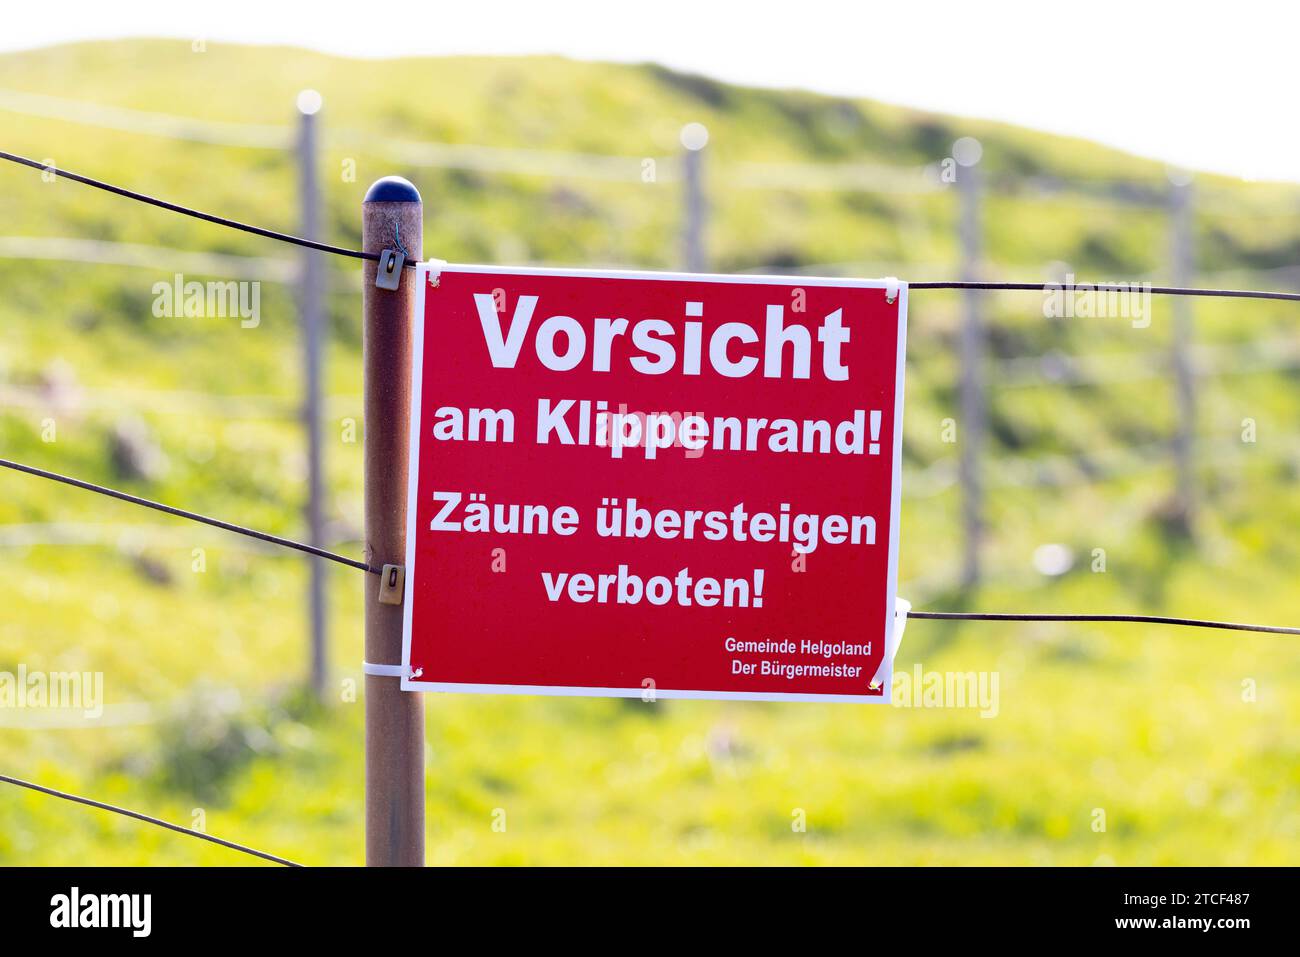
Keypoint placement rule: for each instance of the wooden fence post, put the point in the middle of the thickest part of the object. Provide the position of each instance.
(971, 387)
(309, 292)
(392, 218)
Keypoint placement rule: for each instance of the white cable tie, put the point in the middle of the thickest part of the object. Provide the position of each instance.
(892, 285)
(434, 268)
(384, 671)
(901, 607)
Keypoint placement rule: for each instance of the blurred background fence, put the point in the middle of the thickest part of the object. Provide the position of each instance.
(959, 176)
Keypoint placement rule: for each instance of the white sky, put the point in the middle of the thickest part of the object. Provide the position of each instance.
(1207, 87)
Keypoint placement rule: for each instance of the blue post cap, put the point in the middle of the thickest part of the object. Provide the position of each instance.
(392, 189)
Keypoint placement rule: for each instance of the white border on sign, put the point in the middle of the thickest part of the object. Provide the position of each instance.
(413, 457)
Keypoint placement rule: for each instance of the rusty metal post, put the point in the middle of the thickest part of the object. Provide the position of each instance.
(392, 218)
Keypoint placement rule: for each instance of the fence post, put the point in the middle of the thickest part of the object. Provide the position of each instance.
(392, 217)
(694, 136)
(309, 103)
(971, 387)
(1180, 199)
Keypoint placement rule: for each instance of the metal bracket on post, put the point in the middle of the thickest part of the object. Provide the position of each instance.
(392, 582)
(389, 274)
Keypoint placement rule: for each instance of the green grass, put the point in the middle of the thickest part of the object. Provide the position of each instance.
(1149, 725)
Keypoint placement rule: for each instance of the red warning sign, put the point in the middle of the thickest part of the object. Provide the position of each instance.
(653, 485)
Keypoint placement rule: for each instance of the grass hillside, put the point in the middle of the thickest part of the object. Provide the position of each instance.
(1182, 738)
